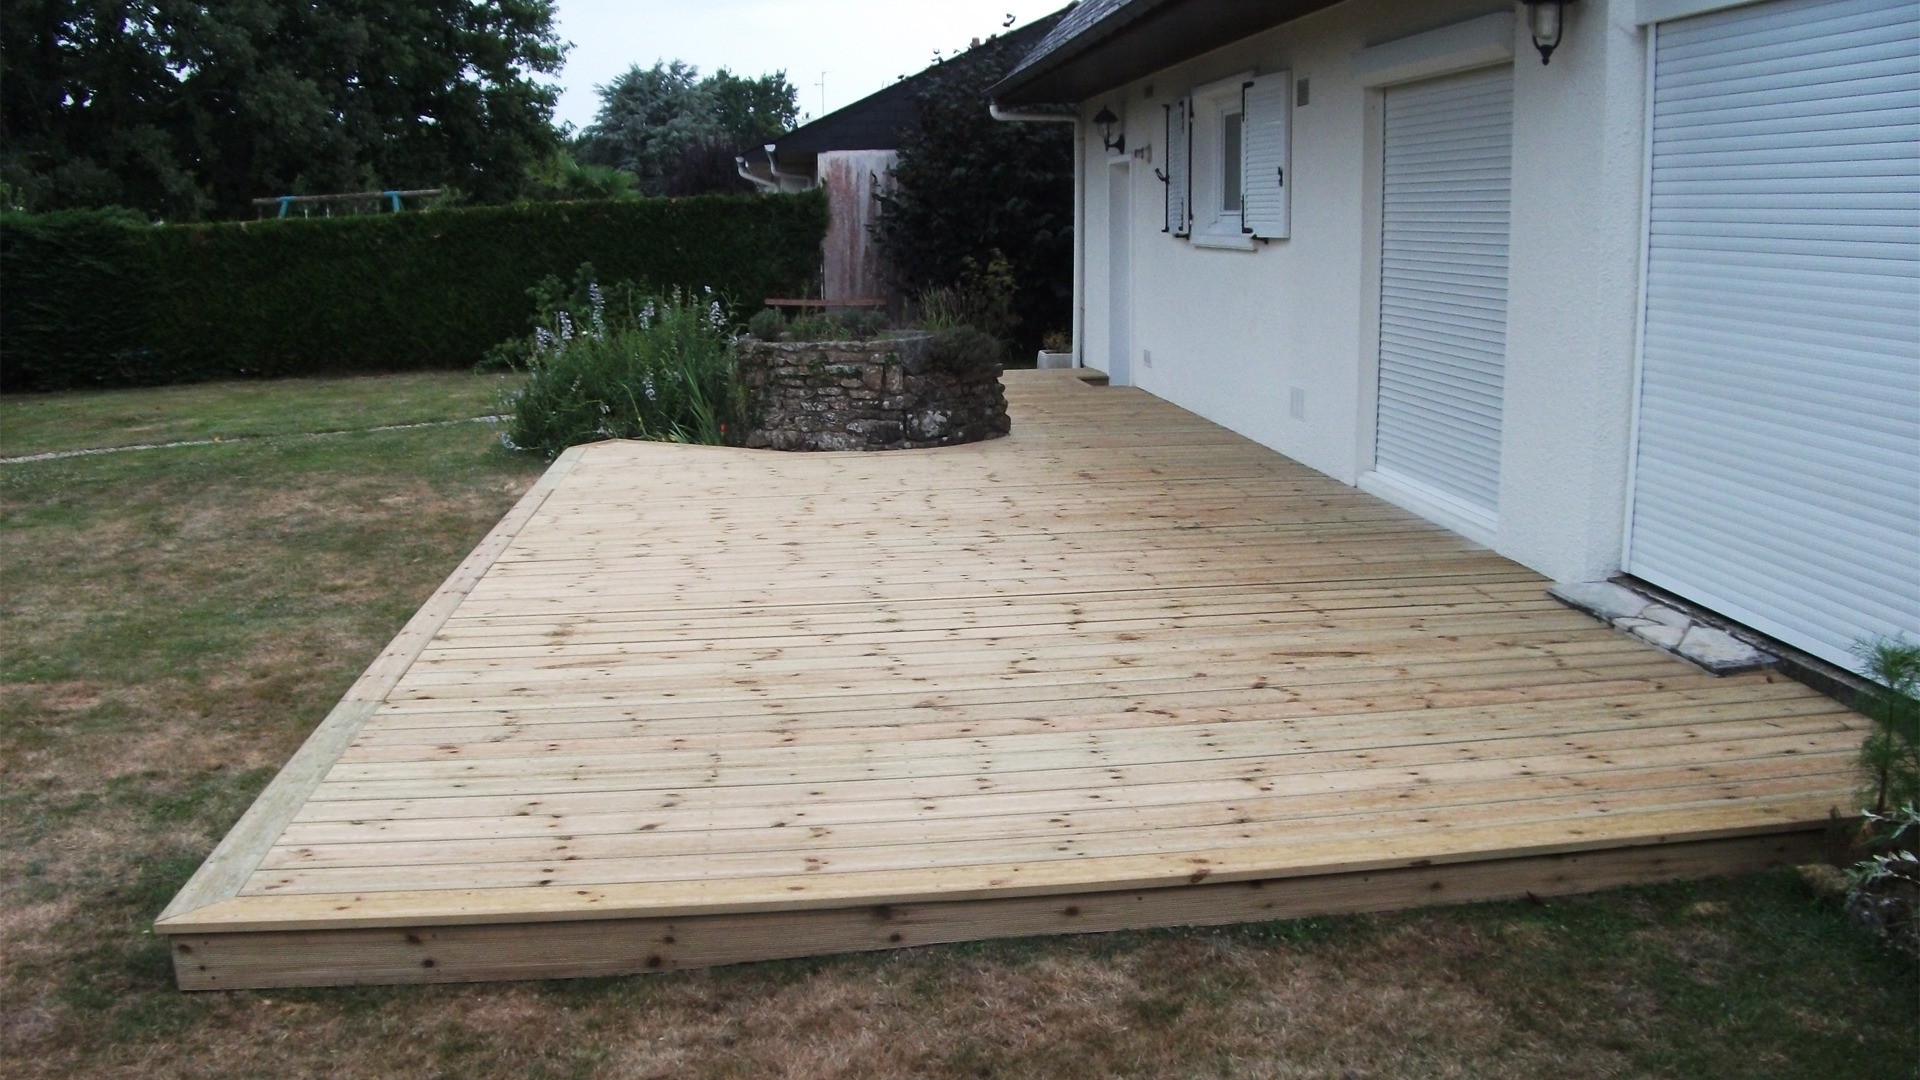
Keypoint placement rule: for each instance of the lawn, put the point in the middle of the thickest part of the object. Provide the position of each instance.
(41, 423)
(173, 622)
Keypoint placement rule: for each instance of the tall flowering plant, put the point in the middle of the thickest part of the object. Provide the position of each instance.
(629, 366)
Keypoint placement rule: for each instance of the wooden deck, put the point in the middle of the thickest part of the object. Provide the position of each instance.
(690, 705)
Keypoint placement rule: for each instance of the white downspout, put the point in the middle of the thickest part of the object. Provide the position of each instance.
(1079, 213)
(740, 166)
(1078, 328)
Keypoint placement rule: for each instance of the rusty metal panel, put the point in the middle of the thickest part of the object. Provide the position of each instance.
(854, 179)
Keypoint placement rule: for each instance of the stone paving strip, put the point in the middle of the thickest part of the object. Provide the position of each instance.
(1662, 626)
(57, 455)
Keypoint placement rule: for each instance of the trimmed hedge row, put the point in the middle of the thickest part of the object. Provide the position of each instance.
(91, 298)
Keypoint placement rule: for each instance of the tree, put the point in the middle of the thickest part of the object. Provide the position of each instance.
(189, 110)
(649, 118)
(970, 188)
(753, 112)
(562, 178)
(678, 133)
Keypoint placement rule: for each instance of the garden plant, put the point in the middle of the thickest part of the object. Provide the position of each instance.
(1884, 886)
(619, 363)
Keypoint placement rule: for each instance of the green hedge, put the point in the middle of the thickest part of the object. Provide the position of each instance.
(92, 299)
(76, 298)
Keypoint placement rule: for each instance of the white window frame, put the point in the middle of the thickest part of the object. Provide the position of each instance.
(1213, 225)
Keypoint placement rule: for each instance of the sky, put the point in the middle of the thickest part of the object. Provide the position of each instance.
(861, 45)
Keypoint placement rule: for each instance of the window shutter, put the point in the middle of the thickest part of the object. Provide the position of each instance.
(1264, 120)
(1179, 171)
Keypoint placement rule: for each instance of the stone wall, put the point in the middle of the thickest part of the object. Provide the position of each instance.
(900, 393)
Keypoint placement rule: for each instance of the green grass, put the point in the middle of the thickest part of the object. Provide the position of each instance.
(174, 622)
(38, 423)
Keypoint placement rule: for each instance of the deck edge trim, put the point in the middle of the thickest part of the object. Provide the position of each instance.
(227, 868)
(467, 952)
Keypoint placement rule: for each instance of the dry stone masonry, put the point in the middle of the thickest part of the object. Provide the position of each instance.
(900, 393)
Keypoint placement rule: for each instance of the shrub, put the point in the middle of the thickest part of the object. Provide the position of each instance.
(982, 298)
(1884, 886)
(76, 293)
(963, 348)
(1891, 754)
(579, 303)
(767, 325)
(661, 369)
(968, 186)
(561, 178)
(848, 326)
(388, 293)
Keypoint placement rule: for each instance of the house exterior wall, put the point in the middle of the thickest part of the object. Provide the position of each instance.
(1232, 335)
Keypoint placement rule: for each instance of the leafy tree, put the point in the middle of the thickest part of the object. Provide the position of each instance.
(562, 178)
(189, 110)
(972, 190)
(753, 112)
(678, 133)
(648, 118)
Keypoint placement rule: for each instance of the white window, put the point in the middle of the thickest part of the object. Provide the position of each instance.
(1227, 162)
(1218, 164)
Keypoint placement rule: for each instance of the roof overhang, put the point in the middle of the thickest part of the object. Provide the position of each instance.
(1137, 38)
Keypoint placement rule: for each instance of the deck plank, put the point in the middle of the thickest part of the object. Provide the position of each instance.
(1120, 653)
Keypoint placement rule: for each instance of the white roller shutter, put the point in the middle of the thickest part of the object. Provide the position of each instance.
(1777, 464)
(1178, 175)
(1265, 104)
(1443, 285)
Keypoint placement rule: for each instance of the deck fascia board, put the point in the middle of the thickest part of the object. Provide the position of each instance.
(476, 951)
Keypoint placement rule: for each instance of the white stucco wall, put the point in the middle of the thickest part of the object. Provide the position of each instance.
(1231, 334)
(1573, 302)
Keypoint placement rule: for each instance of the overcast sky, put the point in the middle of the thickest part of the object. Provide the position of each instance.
(862, 45)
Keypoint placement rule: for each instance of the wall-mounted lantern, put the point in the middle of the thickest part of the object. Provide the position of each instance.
(1116, 144)
(1544, 20)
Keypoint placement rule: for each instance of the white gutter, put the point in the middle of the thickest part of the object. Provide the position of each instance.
(773, 167)
(1079, 214)
(1016, 116)
(740, 166)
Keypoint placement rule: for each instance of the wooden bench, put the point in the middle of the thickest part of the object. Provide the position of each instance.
(819, 304)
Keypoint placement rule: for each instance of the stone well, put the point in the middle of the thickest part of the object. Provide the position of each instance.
(899, 393)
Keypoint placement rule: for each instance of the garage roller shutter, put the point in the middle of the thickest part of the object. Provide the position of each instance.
(1777, 465)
